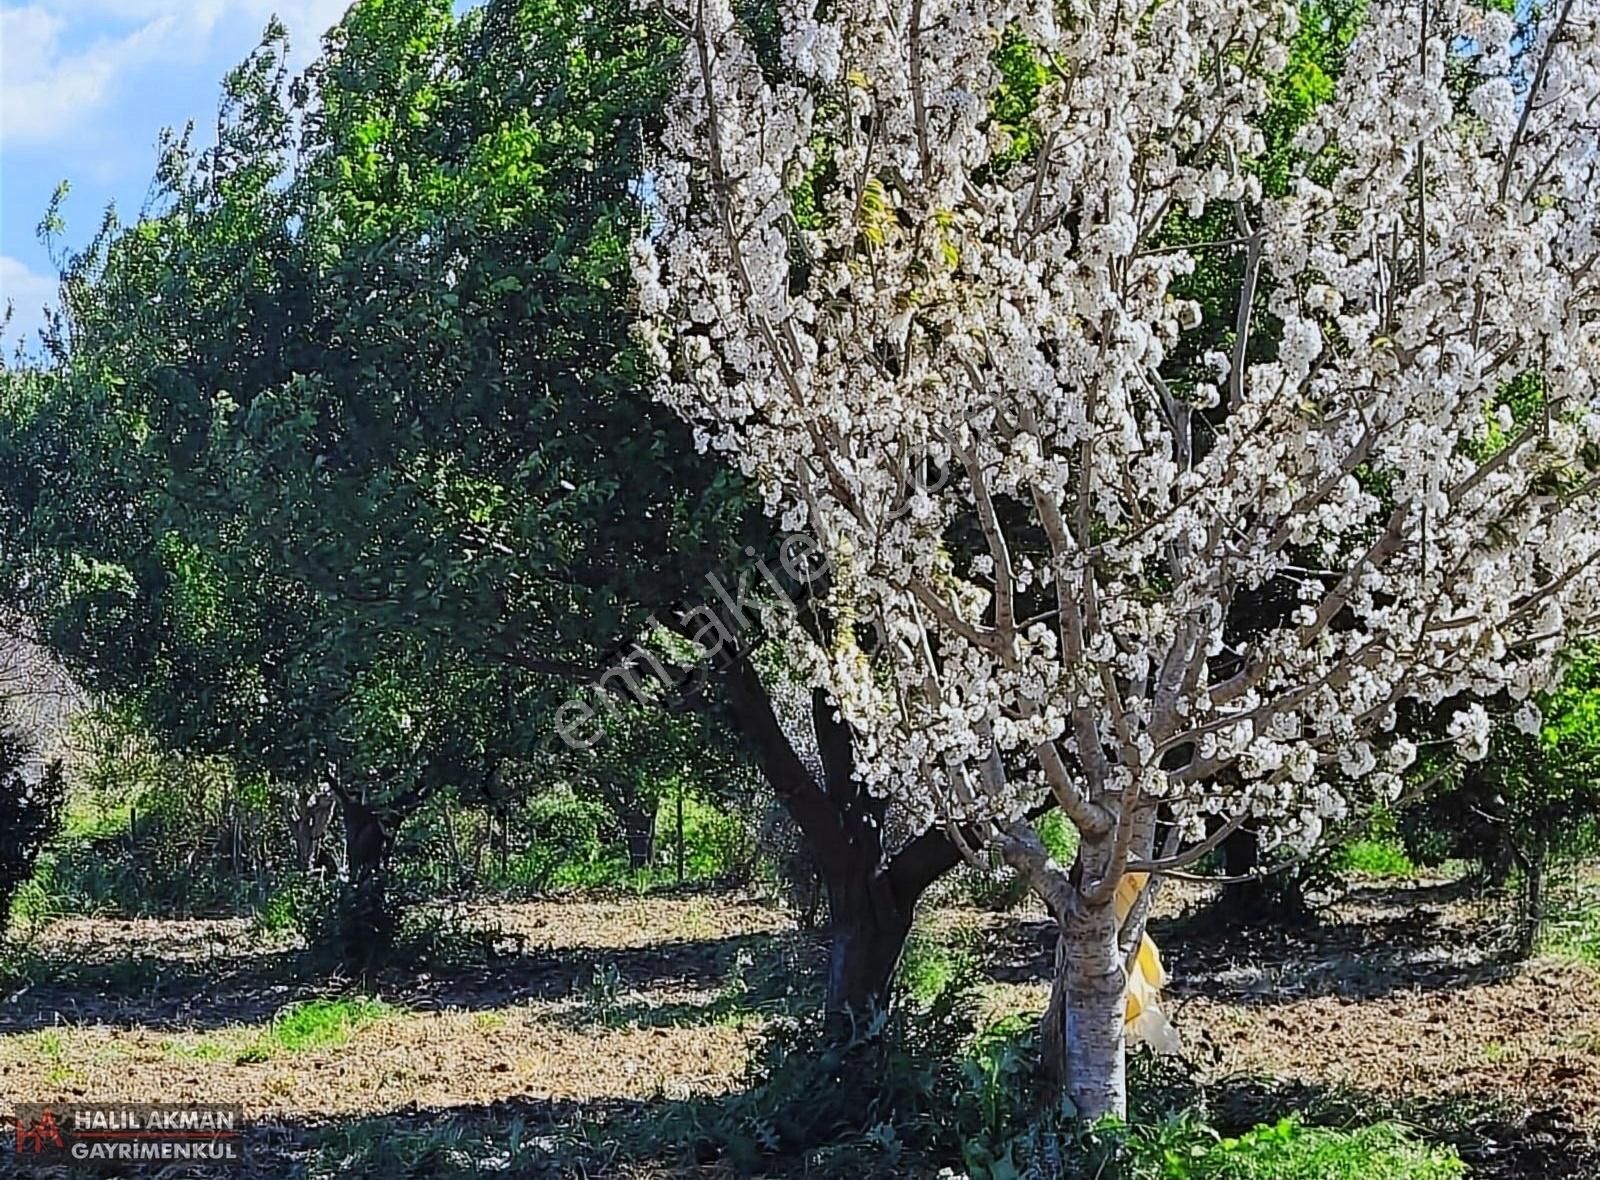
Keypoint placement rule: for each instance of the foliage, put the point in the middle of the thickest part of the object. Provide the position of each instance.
(347, 480)
(930, 965)
(873, 1094)
(151, 832)
(1530, 803)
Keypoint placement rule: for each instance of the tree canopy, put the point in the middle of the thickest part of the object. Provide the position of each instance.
(857, 281)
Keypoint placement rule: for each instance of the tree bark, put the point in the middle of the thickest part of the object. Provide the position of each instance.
(639, 832)
(868, 929)
(872, 897)
(1094, 983)
(309, 825)
(1243, 901)
(365, 928)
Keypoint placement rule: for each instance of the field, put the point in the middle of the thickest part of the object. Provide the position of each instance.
(547, 1038)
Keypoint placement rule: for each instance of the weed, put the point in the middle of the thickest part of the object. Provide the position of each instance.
(315, 1024)
(1571, 928)
(205, 1049)
(450, 1150)
(32, 906)
(1287, 1150)
(285, 909)
(601, 996)
(1377, 858)
(51, 1045)
(929, 966)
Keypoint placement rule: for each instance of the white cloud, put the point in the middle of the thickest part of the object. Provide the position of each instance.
(28, 292)
(63, 62)
(42, 88)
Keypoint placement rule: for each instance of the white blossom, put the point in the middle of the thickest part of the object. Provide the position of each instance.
(1470, 729)
(938, 304)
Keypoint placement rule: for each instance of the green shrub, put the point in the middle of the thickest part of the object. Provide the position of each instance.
(928, 967)
(568, 822)
(288, 907)
(33, 803)
(1377, 857)
(152, 833)
(31, 904)
(718, 844)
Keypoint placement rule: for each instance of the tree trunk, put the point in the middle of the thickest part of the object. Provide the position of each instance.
(1093, 984)
(455, 848)
(1533, 862)
(871, 897)
(1243, 901)
(313, 815)
(639, 831)
(366, 927)
(680, 831)
(869, 925)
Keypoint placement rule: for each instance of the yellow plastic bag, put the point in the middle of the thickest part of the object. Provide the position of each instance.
(1147, 1024)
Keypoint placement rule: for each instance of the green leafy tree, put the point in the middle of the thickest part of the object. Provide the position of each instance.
(1532, 802)
(345, 471)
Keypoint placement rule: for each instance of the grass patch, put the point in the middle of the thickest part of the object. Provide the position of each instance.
(1290, 1150)
(319, 1024)
(204, 1049)
(315, 1024)
(51, 1046)
(1377, 858)
(928, 967)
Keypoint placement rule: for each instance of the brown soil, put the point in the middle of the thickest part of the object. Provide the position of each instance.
(1400, 994)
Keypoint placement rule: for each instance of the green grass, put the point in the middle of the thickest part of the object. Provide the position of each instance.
(319, 1024)
(299, 1028)
(315, 1024)
(1377, 858)
(52, 1046)
(1289, 1150)
(204, 1049)
(88, 816)
(1572, 920)
(928, 967)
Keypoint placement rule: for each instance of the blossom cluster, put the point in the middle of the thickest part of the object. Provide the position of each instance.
(1208, 575)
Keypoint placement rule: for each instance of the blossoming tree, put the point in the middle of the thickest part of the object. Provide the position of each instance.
(1180, 592)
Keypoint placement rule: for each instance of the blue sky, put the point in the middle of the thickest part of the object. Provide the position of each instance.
(85, 88)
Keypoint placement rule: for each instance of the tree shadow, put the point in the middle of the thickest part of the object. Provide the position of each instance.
(531, 1138)
(203, 992)
(1382, 941)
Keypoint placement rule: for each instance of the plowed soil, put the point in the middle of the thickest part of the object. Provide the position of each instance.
(1400, 995)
